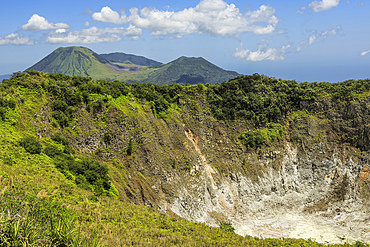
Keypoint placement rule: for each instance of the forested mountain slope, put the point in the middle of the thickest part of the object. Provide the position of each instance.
(76, 61)
(190, 70)
(129, 163)
(81, 61)
(120, 57)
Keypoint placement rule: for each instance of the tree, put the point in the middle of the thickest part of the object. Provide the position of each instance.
(129, 147)
(52, 150)
(31, 145)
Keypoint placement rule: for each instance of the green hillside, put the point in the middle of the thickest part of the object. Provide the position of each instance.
(58, 189)
(119, 57)
(190, 70)
(77, 61)
(81, 61)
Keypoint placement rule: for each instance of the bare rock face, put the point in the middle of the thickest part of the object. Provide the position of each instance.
(315, 183)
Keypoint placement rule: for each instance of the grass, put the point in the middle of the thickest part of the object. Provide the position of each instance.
(39, 206)
(140, 75)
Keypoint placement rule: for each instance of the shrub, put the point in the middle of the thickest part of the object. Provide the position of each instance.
(2, 113)
(61, 118)
(253, 139)
(87, 173)
(59, 105)
(68, 150)
(60, 139)
(52, 151)
(108, 137)
(31, 145)
(227, 227)
(259, 138)
(129, 147)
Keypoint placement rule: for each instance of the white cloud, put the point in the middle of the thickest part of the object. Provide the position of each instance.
(323, 5)
(214, 17)
(15, 39)
(108, 15)
(93, 35)
(134, 37)
(319, 6)
(365, 53)
(38, 23)
(274, 54)
(262, 53)
(132, 31)
(317, 37)
(312, 39)
(61, 30)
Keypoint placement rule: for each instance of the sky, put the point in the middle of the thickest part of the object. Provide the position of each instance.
(302, 40)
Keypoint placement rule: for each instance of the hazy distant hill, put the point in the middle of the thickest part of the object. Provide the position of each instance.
(119, 57)
(81, 61)
(190, 70)
(78, 61)
(2, 77)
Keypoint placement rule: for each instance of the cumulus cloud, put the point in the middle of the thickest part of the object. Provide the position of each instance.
(262, 53)
(214, 17)
(323, 5)
(365, 53)
(108, 15)
(38, 23)
(315, 37)
(15, 39)
(93, 35)
(319, 6)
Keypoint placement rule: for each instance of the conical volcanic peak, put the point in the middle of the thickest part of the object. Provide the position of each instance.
(74, 61)
(81, 61)
(192, 70)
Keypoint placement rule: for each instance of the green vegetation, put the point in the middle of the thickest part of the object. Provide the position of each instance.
(54, 195)
(189, 70)
(119, 57)
(81, 61)
(31, 145)
(4, 105)
(227, 227)
(86, 173)
(75, 61)
(257, 99)
(261, 137)
(38, 221)
(261, 99)
(130, 147)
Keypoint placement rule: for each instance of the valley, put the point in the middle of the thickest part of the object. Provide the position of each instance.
(252, 161)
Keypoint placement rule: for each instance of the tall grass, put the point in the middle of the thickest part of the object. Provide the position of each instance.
(35, 220)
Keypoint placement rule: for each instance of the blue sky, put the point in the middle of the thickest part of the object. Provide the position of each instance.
(305, 40)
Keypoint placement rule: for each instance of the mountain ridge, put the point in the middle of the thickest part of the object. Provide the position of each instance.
(74, 61)
(182, 70)
(120, 57)
(81, 61)
(2, 77)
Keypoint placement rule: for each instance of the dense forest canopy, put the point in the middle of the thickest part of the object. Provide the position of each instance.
(266, 103)
(256, 98)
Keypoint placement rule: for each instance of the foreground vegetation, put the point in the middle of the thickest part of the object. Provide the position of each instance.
(54, 195)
